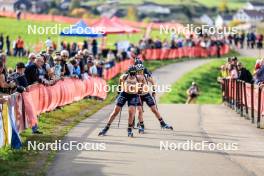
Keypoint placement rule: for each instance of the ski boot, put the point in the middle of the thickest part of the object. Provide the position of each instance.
(141, 127)
(166, 126)
(129, 132)
(103, 132)
(163, 125)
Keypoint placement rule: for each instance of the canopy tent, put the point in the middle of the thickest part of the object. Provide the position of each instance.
(80, 29)
(109, 26)
(126, 27)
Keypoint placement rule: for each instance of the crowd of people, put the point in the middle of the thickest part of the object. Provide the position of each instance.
(234, 69)
(251, 40)
(47, 68)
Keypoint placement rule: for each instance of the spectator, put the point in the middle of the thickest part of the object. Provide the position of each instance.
(19, 78)
(233, 74)
(8, 43)
(31, 59)
(20, 46)
(49, 52)
(4, 86)
(94, 47)
(1, 42)
(259, 74)
(57, 67)
(193, 93)
(48, 43)
(243, 73)
(100, 68)
(76, 69)
(92, 70)
(32, 71)
(64, 59)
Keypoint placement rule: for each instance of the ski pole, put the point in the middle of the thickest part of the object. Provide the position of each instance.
(119, 118)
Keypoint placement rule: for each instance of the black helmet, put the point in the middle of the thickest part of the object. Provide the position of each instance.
(132, 70)
(140, 67)
(138, 61)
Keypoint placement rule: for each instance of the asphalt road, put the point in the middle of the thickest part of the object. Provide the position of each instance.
(143, 154)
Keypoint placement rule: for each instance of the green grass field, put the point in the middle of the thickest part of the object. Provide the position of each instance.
(232, 4)
(206, 78)
(15, 28)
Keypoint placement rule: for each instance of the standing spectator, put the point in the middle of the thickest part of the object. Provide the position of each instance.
(19, 77)
(4, 86)
(94, 47)
(100, 68)
(242, 40)
(158, 44)
(1, 42)
(57, 67)
(193, 93)
(18, 15)
(3, 60)
(252, 40)
(48, 43)
(14, 46)
(243, 73)
(92, 70)
(32, 72)
(85, 45)
(248, 40)
(20, 46)
(64, 59)
(259, 41)
(8, 43)
(50, 60)
(233, 73)
(259, 74)
(76, 69)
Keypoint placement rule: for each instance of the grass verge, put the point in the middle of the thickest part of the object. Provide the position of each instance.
(205, 76)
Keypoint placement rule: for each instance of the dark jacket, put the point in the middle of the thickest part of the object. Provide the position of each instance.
(32, 74)
(245, 75)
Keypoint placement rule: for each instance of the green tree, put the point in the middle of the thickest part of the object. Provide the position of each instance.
(223, 7)
(131, 14)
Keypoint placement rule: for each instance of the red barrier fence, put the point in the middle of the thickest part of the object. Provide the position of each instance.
(118, 68)
(244, 97)
(161, 54)
(39, 98)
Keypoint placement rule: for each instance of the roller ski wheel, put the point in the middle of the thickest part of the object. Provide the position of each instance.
(130, 134)
(103, 132)
(140, 130)
(166, 126)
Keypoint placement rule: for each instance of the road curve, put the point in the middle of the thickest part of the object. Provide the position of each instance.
(141, 155)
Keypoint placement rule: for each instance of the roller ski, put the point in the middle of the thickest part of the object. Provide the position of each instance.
(129, 132)
(104, 131)
(141, 128)
(163, 125)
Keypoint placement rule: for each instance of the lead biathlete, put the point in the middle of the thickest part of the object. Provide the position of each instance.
(130, 85)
